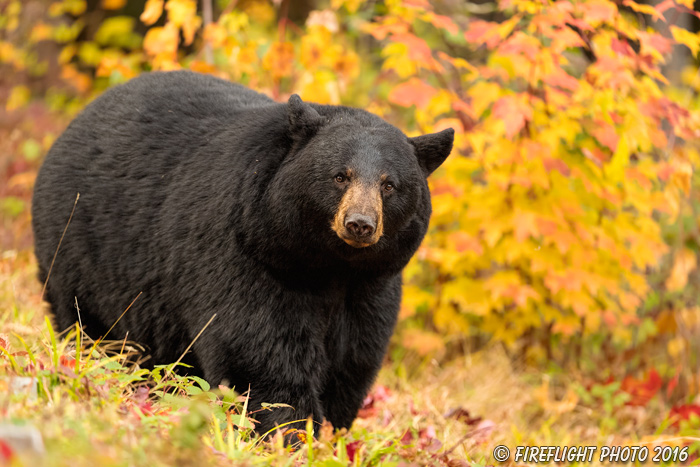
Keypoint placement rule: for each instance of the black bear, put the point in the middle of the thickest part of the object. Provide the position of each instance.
(291, 221)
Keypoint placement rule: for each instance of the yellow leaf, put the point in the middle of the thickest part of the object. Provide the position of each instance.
(261, 11)
(683, 264)
(616, 168)
(19, 96)
(687, 38)
(676, 346)
(322, 85)
(483, 94)
(398, 60)
(448, 320)
(215, 34)
(183, 14)
(646, 9)
(350, 5)
(115, 30)
(313, 46)
(152, 12)
(468, 294)
(414, 298)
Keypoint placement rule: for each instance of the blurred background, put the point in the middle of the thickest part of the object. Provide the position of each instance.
(566, 226)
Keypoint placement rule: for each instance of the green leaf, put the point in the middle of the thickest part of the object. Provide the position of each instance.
(118, 32)
(12, 206)
(203, 384)
(31, 149)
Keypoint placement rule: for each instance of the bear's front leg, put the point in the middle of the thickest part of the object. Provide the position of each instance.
(303, 402)
(279, 357)
(356, 345)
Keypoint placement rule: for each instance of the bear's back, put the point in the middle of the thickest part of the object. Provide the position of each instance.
(180, 88)
(126, 153)
(179, 100)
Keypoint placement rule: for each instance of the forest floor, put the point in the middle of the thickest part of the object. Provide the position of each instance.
(64, 401)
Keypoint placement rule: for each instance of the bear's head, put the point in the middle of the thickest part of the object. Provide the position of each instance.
(356, 184)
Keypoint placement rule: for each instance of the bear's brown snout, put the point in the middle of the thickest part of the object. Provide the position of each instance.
(358, 220)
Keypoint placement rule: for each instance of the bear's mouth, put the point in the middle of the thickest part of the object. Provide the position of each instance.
(356, 244)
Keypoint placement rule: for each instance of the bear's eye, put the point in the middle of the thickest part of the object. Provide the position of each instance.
(388, 187)
(340, 178)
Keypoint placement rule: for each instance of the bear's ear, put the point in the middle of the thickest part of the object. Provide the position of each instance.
(304, 121)
(433, 149)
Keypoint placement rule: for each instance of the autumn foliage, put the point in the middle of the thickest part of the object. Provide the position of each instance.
(565, 224)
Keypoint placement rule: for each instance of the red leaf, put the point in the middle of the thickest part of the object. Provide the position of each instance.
(369, 407)
(67, 361)
(642, 391)
(621, 47)
(351, 449)
(683, 412)
(6, 452)
(413, 92)
(672, 385)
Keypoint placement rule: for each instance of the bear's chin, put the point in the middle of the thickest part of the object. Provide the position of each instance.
(355, 244)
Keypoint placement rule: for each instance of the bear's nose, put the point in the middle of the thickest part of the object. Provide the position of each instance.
(359, 225)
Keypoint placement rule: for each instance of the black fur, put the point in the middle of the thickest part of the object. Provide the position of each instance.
(211, 198)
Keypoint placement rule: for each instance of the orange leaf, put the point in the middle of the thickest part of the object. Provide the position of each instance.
(483, 32)
(413, 92)
(152, 11)
(423, 342)
(561, 79)
(418, 49)
(113, 4)
(381, 31)
(598, 11)
(442, 22)
(683, 264)
(606, 135)
(514, 112)
(525, 225)
(520, 43)
(161, 40)
(279, 59)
